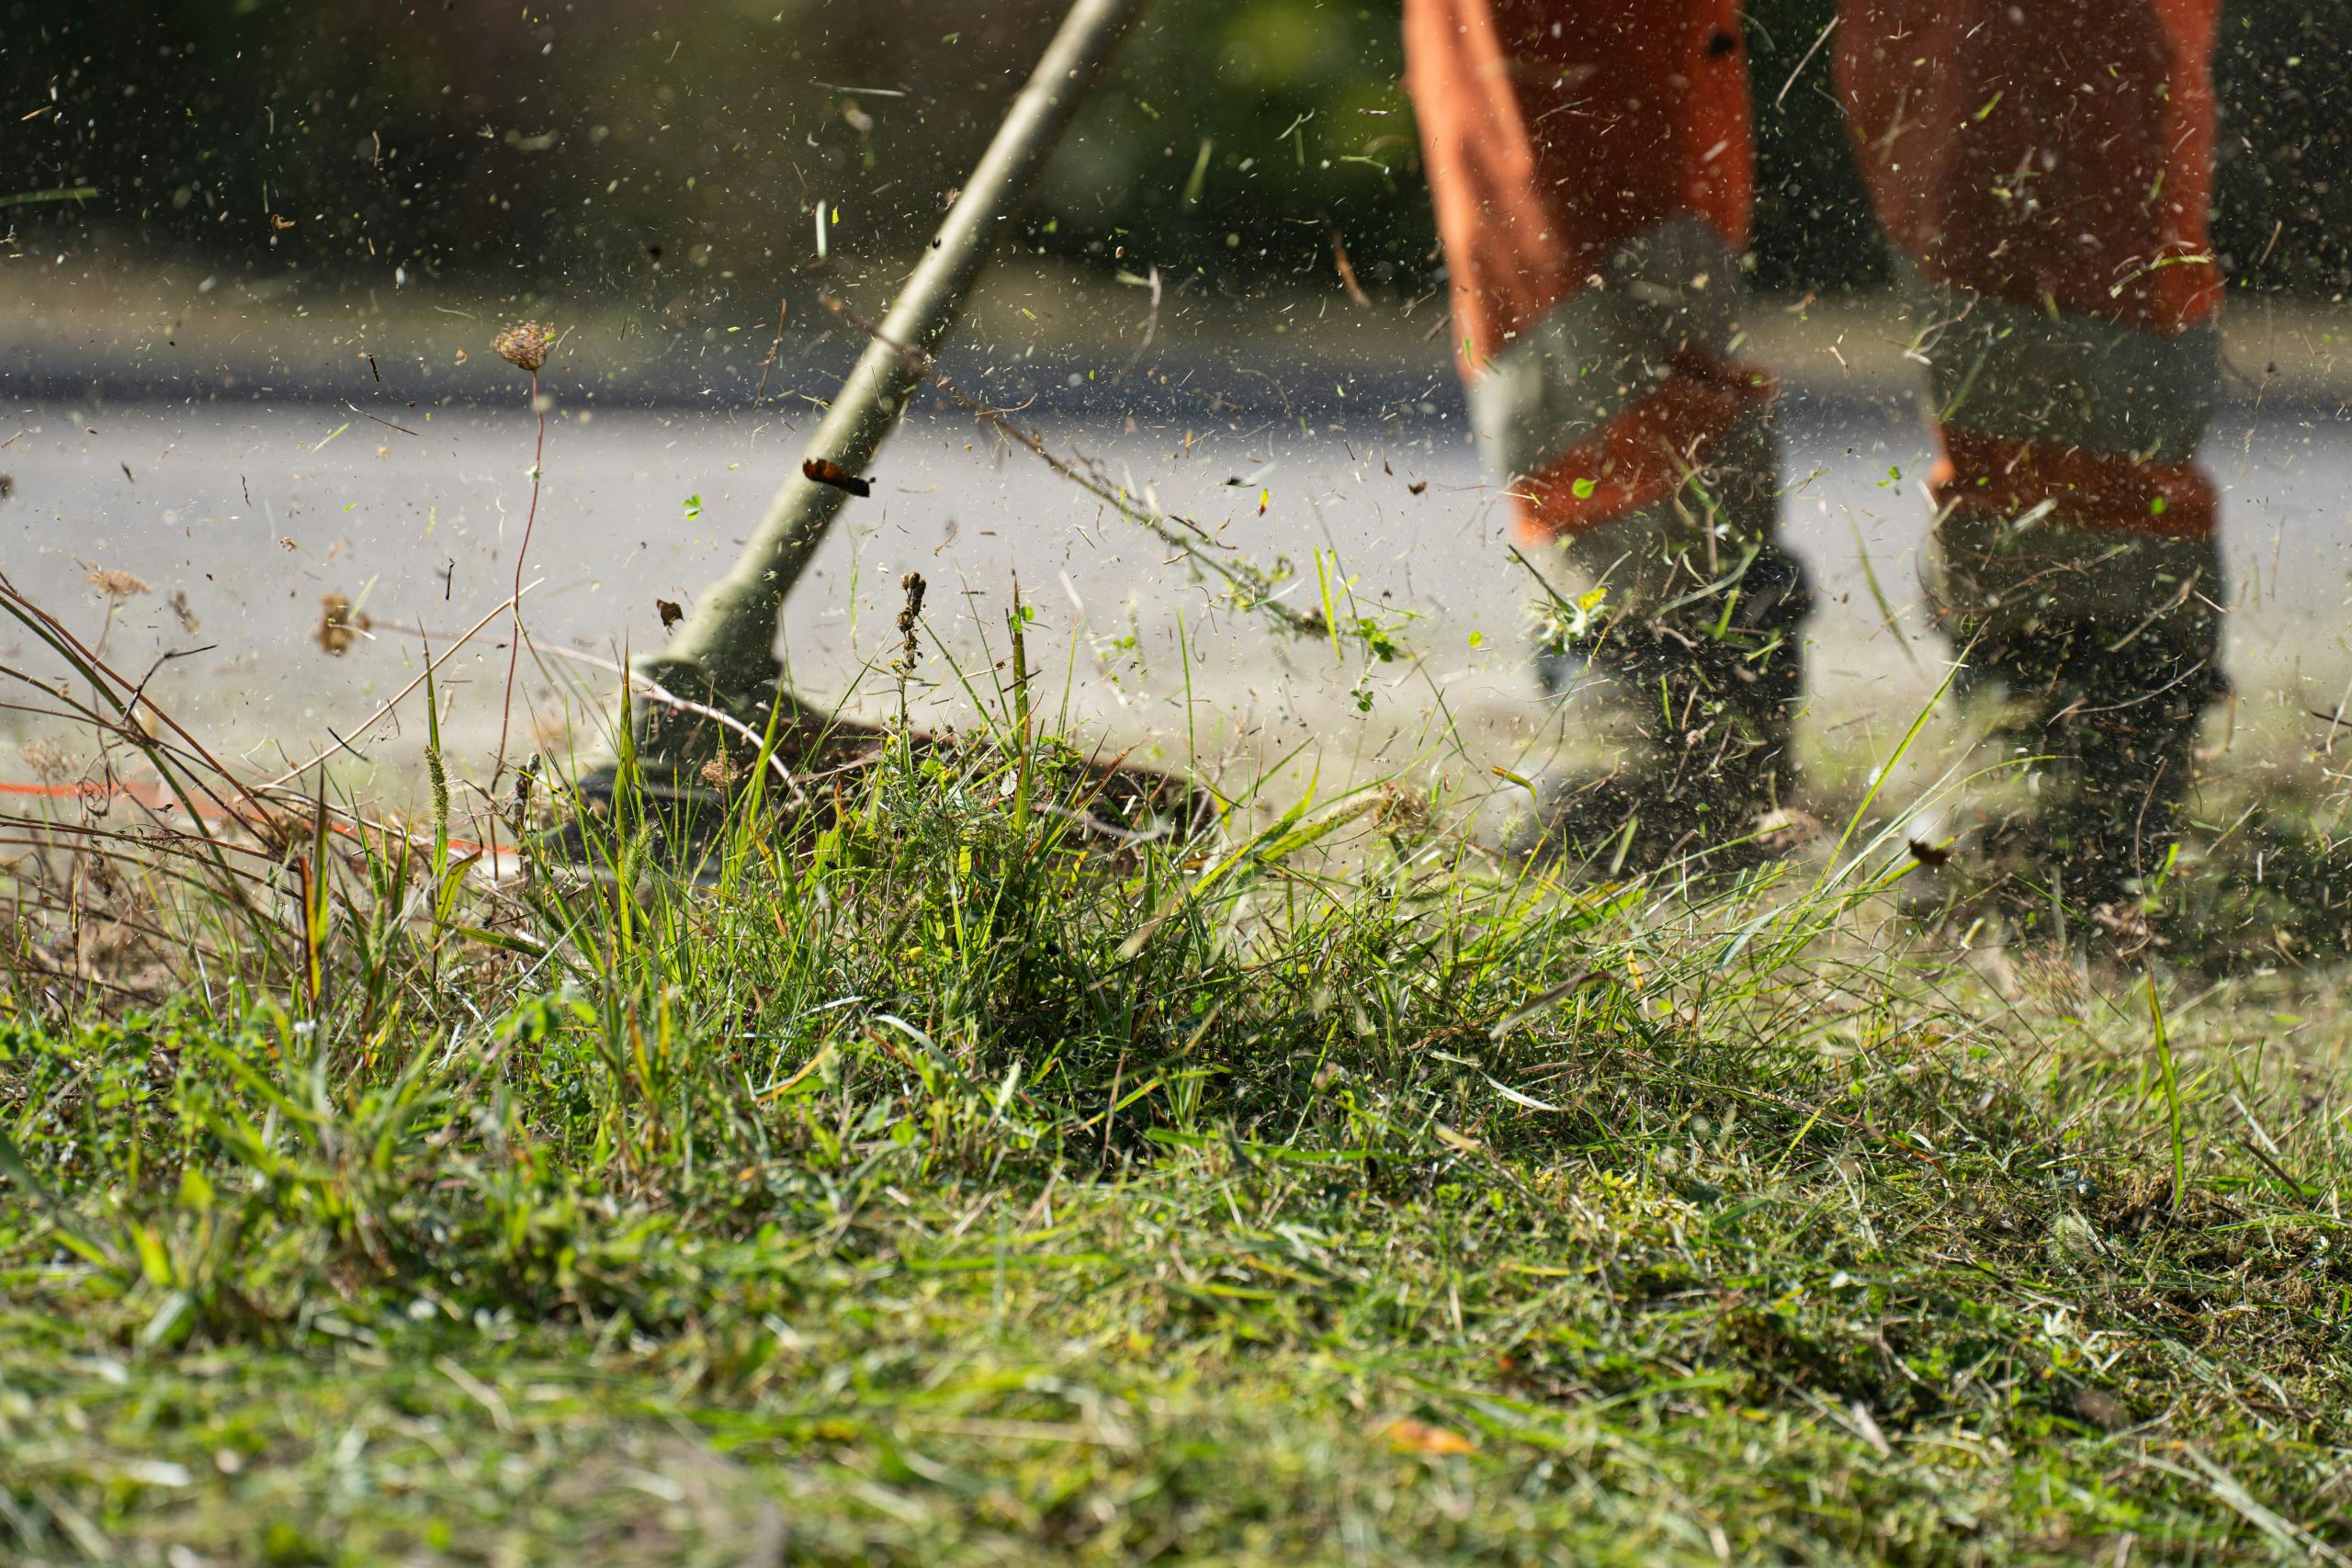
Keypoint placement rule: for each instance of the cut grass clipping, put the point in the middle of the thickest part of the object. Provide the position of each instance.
(932, 1182)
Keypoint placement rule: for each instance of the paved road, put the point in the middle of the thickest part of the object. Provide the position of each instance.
(242, 515)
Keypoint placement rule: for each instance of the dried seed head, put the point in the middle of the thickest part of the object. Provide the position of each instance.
(113, 582)
(909, 649)
(48, 760)
(525, 345)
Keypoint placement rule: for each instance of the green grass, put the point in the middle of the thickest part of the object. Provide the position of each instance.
(930, 1187)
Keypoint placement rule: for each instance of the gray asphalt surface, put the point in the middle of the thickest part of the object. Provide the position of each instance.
(239, 515)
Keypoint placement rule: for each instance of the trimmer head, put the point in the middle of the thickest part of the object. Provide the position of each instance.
(683, 808)
(723, 647)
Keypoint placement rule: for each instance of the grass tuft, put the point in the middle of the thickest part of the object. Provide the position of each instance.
(939, 1172)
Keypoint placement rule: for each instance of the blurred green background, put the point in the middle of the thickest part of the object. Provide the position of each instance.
(584, 144)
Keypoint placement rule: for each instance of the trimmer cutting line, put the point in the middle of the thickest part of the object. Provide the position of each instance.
(722, 654)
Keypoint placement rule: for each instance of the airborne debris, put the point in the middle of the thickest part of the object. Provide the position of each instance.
(1406, 1435)
(670, 613)
(783, 308)
(1346, 268)
(338, 626)
(825, 471)
(1416, 487)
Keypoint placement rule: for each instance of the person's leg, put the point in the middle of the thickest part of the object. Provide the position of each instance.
(1591, 166)
(2043, 168)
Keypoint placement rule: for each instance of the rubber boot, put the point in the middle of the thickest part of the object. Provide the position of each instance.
(1707, 692)
(2106, 736)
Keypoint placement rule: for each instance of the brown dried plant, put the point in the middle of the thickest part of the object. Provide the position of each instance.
(48, 760)
(114, 582)
(525, 344)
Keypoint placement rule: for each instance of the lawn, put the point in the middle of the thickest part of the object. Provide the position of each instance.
(937, 1178)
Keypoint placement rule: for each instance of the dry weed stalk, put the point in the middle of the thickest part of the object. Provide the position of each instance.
(108, 891)
(524, 345)
(114, 585)
(909, 649)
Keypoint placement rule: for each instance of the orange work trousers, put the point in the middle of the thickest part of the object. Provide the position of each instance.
(2042, 168)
